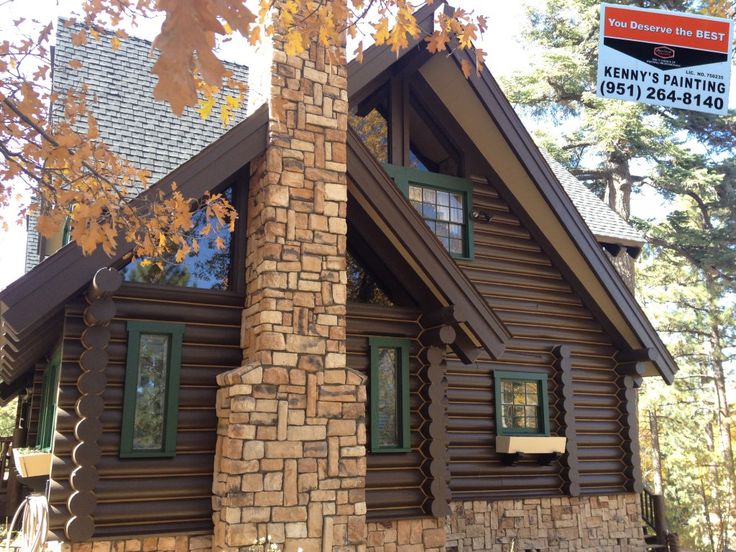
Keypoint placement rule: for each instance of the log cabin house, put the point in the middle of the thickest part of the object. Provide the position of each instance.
(413, 340)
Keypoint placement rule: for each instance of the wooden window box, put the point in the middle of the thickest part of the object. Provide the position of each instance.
(545, 449)
(32, 463)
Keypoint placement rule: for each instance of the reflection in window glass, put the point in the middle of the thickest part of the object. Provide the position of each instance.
(444, 212)
(363, 286)
(388, 398)
(208, 268)
(150, 404)
(373, 132)
(520, 405)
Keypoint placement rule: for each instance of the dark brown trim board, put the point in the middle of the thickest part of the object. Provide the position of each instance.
(377, 59)
(383, 201)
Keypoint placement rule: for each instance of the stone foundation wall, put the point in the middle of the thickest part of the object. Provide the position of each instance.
(167, 543)
(583, 524)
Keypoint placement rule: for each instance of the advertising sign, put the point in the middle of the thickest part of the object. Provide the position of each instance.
(665, 58)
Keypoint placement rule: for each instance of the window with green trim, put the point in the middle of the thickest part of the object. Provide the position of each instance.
(445, 203)
(521, 403)
(389, 401)
(49, 397)
(151, 399)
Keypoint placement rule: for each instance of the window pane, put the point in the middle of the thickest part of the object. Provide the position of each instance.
(373, 132)
(208, 268)
(363, 286)
(456, 247)
(519, 393)
(388, 398)
(150, 405)
(443, 213)
(507, 415)
(440, 208)
(519, 417)
(520, 405)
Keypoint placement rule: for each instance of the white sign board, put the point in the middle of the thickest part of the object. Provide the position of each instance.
(665, 58)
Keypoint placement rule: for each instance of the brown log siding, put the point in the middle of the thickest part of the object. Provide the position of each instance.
(396, 484)
(144, 495)
(512, 273)
(541, 311)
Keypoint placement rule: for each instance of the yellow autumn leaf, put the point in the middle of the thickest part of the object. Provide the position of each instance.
(381, 33)
(115, 43)
(75, 64)
(466, 67)
(224, 115)
(293, 44)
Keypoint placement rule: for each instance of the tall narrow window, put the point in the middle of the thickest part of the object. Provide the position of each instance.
(49, 396)
(389, 384)
(521, 403)
(151, 397)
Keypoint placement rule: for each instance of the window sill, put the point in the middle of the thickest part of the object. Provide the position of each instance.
(537, 444)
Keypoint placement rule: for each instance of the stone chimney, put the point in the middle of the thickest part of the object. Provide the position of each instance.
(290, 460)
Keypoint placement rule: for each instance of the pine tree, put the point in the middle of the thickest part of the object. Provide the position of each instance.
(687, 157)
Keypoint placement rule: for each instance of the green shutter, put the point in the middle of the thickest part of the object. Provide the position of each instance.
(49, 398)
(174, 334)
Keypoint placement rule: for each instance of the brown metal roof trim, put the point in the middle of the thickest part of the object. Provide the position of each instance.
(35, 297)
(392, 212)
(376, 59)
(508, 122)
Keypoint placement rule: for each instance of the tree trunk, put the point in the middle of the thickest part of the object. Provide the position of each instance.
(657, 453)
(618, 185)
(724, 419)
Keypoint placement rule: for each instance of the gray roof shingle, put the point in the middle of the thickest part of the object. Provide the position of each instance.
(148, 134)
(133, 124)
(605, 223)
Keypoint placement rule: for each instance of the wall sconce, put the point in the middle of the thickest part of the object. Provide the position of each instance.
(482, 216)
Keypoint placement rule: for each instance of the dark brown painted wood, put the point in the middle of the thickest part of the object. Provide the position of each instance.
(396, 484)
(629, 402)
(138, 496)
(370, 185)
(570, 465)
(100, 310)
(438, 467)
(520, 141)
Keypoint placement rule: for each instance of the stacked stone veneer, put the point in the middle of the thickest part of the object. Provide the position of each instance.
(584, 524)
(290, 462)
(290, 459)
(164, 543)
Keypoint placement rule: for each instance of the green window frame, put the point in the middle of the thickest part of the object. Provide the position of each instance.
(49, 400)
(404, 177)
(138, 331)
(521, 403)
(401, 390)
